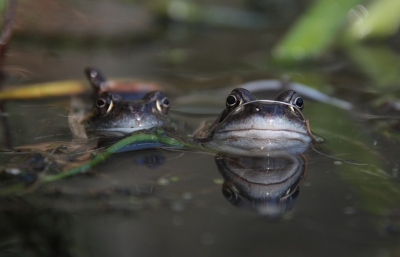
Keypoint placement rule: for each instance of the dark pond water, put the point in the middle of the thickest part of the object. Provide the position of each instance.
(341, 200)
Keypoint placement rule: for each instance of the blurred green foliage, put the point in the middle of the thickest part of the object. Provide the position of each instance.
(380, 19)
(315, 31)
(335, 23)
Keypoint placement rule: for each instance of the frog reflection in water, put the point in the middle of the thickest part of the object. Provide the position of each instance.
(255, 126)
(267, 185)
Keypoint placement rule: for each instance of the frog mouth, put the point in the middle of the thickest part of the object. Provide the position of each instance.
(121, 131)
(268, 136)
(262, 126)
(260, 144)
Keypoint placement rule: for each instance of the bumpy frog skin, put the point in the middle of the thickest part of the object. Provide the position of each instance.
(116, 116)
(250, 126)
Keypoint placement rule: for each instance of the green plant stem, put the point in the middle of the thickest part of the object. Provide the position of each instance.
(158, 139)
(139, 138)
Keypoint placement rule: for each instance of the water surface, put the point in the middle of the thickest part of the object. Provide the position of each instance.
(170, 202)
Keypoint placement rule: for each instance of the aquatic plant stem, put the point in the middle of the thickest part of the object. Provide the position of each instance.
(57, 88)
(156, 138)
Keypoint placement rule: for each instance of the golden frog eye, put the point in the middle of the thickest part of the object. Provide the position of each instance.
(104, 107)
(163, 105)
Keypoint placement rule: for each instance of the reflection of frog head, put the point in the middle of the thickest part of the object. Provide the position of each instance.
(268, 185)
(253, 125)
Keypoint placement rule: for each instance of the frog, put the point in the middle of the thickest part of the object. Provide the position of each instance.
(248, 126)
(113, 115)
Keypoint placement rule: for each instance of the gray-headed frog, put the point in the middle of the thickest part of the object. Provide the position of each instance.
(115, 116)
(255, 127)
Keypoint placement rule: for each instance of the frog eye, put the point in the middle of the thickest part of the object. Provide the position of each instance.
(101, 103)
(165, 102)
(163, 105)
(103, 106)
(231, 100)
(299, 103)
(228, 193)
